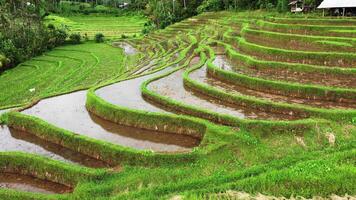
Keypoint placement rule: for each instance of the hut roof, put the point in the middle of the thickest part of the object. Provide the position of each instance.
(338, 4)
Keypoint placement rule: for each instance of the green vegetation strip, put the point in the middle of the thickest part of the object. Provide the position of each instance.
(256, 103)
(319, 58)
(261, 126)
(331, 41)
(322, 29)
(286, 88)
(263, 64)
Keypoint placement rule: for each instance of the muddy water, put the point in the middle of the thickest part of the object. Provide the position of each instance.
(172, 86)
(69, 112)
(224, 64)
(128, 93)
(128, 49)
(14, 140)
(31, 184)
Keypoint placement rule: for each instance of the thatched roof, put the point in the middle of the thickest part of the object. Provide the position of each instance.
(338, 4)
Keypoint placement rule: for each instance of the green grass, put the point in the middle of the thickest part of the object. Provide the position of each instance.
(109, 25)
(62, 70)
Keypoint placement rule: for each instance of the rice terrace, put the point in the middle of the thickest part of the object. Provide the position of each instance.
(177, 99)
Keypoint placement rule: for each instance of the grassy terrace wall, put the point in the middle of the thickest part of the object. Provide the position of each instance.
(273, 177)
(285, 88)
(259, 126)
(276, 87)
(110, 153)
(314, 21)
(316, 58)
(321, 42)
(339, 31)
(284, 108)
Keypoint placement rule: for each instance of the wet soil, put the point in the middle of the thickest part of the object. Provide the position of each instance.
(128, 49)
(31, 184)
(315, 78)
(15, 140)
(296, 44)
(229, 87)
(69, 112)
(173, 87)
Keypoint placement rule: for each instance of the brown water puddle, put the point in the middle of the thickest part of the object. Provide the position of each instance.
(69, 112)
(173, 87)
(15, 140)
(315, 78)
(128, 49)
(224, 64)
(30, 184)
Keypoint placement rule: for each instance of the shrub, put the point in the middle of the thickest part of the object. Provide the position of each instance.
(75, 38)
(282, 5)
(86, 37)
(123, 36)
(61, 36)
(99, 37)
(101, 8)
(50, 26)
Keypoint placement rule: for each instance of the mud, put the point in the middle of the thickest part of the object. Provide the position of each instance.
(69, 112)
(221, 62)
(15, 140)
(128, 49)
(31, 184)
(173, 87)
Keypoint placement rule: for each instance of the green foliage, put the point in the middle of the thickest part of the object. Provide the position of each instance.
(22, 32)
(99, 38)
(75, 38)
(210, 5)
(282, 5)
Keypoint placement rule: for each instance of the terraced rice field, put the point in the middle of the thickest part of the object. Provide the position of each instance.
(111, 26)
(212, 105)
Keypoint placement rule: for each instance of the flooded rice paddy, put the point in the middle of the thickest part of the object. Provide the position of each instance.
(222, 62)
(69, 112)
(30, 184)
(173, 86)
(15, 140)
